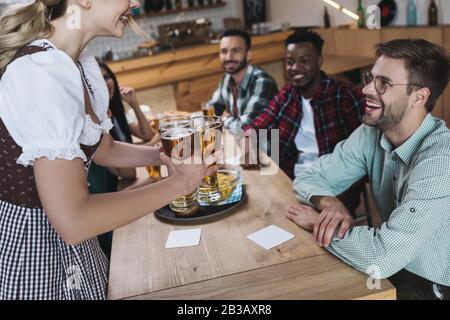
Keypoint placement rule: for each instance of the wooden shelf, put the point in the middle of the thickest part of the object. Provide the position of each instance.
(176, 11)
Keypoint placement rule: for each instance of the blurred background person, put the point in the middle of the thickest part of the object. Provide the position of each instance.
(245, 89)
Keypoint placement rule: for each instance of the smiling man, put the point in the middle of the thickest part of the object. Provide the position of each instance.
(405, 151)
(245, 90)
(313, 112)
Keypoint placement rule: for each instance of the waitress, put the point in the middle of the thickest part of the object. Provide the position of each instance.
(53, 123)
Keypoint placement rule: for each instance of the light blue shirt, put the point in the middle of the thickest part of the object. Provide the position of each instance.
(411, 189)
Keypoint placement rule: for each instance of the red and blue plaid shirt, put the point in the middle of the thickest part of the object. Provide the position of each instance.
(338, 109)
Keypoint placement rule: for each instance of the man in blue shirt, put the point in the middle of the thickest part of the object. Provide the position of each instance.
(405, 152)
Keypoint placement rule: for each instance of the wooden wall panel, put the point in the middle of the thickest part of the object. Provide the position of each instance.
(356, 42)
(160, 99)
(190, 94)
(446, 38)
(434, 35)
(328, 36)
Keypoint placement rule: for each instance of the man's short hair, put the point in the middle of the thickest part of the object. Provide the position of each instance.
(238, 33)
(302, 36)
(427, 64)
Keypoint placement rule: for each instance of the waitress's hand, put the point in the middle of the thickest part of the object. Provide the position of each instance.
(129, 96)
(190, 174)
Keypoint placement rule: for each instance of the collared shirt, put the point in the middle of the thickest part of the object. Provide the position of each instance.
(338, 110)
(253, 96)
(411, 189)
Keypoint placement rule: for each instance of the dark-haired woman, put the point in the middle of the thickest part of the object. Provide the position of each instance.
(137, 126)
(104, 180)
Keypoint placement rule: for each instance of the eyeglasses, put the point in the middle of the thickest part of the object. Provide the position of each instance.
(381, 84)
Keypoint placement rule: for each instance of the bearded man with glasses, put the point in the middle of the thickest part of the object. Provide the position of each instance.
(405, 152)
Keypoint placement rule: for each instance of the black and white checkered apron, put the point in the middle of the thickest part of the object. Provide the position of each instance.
(35, 263)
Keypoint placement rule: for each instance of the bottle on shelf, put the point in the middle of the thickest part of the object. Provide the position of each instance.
(361, 15)
(178, 4)
(326, 18)
(432, 14)
(210, 2)
(191, 3)
(201, 3)
(153, 5)
(411, 17)
(169, 6)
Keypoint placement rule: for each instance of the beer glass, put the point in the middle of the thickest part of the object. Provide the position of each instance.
(208, 110)
(178, 143)
(208, 135)
(164, 123)
(157, 119)
(173, 122)
(155, 171)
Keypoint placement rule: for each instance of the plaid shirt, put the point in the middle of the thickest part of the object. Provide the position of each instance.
(338, 110)
(253, 95)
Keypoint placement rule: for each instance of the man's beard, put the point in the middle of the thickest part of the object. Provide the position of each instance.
(241, 66)
(391, 115)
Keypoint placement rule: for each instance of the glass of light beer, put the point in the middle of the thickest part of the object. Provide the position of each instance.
(155, 171)
(163, 123)
(156, 119)
(208, 110)
(178, 144)
(170, 123)
(208, 135)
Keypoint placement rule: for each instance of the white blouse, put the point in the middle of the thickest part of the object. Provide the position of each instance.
(42, 104)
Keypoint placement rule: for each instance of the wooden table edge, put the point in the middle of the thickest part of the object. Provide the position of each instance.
(192, 289)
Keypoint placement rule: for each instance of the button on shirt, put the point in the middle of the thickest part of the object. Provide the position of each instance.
(411, 189)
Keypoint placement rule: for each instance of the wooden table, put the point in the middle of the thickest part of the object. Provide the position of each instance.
(335, 64)
(228, 266)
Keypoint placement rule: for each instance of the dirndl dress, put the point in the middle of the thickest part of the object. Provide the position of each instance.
(35, 263)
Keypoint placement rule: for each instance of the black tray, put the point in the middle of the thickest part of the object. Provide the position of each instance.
(204, 215)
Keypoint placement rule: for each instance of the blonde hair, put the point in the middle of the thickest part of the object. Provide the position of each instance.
(25, 24)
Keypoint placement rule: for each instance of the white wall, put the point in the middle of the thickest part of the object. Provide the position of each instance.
(310, 12)
(130, 41)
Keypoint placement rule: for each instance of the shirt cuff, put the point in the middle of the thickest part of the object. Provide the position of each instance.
(305, 195)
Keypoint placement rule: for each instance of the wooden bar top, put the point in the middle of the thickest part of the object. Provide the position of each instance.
(226, 265)
(188, 53)
(189, 63)
(334, 64)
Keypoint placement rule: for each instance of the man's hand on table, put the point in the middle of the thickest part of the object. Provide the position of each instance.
(303, 216)
(322, 224)
(333, 215)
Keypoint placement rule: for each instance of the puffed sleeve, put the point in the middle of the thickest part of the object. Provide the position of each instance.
(42, 106)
